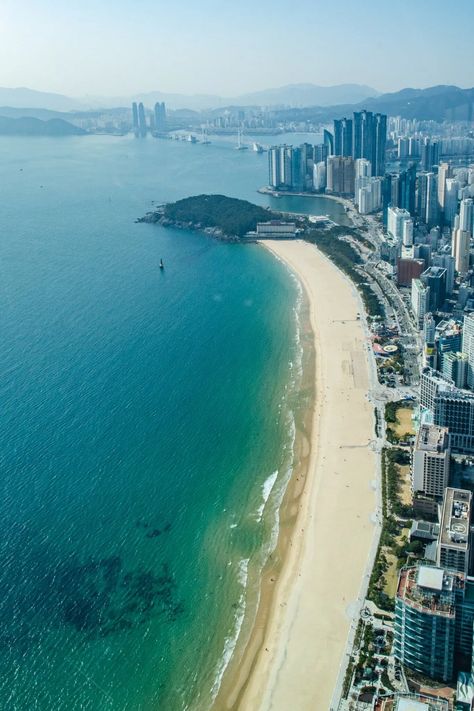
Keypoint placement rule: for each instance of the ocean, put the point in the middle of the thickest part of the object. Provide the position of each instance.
(147, 422)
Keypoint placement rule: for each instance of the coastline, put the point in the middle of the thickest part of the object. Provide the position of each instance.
(295, 651)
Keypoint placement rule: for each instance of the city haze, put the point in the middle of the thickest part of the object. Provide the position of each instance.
(125, 48)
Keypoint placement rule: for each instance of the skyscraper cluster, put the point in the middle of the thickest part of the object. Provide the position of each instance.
(363, 136)
(139, 120)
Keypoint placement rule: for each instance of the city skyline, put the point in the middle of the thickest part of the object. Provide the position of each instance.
(49, 47)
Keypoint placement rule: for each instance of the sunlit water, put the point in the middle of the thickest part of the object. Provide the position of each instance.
(146, 422)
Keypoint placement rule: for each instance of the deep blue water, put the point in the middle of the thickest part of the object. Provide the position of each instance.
(141, 414)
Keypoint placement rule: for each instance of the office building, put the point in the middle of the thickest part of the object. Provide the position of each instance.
(444, 172)
(427, 199)
(420, 300)
(319, 176)
(450, 201)
(431, 458)
(320, 153)
(454, 409)
(468, 347)
(160, 116)
(409, 269)
(429, 152)
(407, 189)
(431, 215)
(142, 127)
(454, 367)
(445, 261)
(435, 278)
(135, 117)
(343, 137)
(448, 339)
(461, 244)
(306, 164)
(280, 167)
(466, 215)
(453, 551)
(399, 223)
(328, 140)
(340, 175)
(433, 620)
(369, 139)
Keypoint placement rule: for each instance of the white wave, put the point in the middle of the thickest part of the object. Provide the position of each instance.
(267, 487)
(231, 641)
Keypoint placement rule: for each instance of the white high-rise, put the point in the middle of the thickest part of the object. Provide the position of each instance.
(451, 200)
(444, 172)
(396, 219)
(468, 347)
(466, 215)
(461, 242)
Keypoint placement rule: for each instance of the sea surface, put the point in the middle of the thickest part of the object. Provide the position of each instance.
(146, 422)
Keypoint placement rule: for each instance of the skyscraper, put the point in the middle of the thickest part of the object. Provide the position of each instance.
(343, 137)
(380, 143)
(461, 242)
(450, 201)
(468, 347)
(407, 189)
(142, 128)
(444, 172)
(363, 135)
(328, 140)
(160, 116)
(431, 216)
(280, 167)
(369, 139)
(340, 175)
(430, 461)
(466, 215)
(135, 117)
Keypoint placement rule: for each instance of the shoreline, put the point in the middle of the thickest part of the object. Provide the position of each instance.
(330, 497)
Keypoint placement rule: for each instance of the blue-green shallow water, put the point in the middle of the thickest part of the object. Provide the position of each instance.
(143, 416)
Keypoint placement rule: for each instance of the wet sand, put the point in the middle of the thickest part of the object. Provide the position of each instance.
(311, 590)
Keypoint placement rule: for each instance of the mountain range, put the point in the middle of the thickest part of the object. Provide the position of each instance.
(436, 103)
(291, 95)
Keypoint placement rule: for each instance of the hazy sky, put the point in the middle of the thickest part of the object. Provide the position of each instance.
(120, 47)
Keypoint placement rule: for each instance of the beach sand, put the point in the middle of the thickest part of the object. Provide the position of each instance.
(298, 644)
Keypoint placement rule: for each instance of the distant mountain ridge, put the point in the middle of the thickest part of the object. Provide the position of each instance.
(296, 102)
(290, 95)
(30, 126)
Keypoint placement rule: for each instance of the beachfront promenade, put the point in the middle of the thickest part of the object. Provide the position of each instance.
(323, 583)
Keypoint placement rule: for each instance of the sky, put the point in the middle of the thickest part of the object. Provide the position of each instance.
(227, 47)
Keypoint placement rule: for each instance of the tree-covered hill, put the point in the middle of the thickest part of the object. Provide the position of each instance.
(233, 217)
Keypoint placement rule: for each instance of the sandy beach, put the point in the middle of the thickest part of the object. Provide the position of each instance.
(293, 660)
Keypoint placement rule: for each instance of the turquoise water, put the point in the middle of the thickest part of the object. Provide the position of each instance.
(146, 424)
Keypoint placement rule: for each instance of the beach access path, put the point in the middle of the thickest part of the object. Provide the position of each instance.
(323, 581)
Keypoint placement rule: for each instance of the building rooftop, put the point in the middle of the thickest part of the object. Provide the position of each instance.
(411, 705)
(432, 438)
(429, 589)
(455, 518)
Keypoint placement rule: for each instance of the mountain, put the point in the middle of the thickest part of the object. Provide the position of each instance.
(29, 126)
(22, 97)
(291, 95)
(437, 103)
(308, 95)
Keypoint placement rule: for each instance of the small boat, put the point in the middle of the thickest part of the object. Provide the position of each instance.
(191, 139)
(162, 266)
(257, 148)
